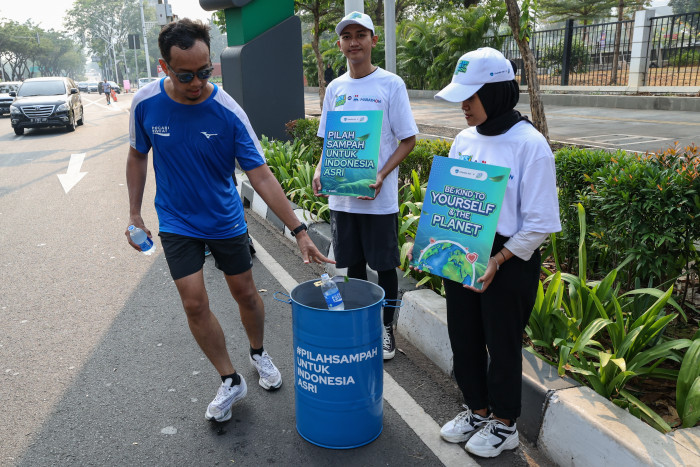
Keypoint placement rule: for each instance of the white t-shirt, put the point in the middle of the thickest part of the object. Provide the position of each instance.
(530, 203)
(380, 90)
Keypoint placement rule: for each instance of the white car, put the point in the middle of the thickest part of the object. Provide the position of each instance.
(145, 81)
(5, 98)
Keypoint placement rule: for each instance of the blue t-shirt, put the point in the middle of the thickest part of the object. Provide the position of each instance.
(195, 149)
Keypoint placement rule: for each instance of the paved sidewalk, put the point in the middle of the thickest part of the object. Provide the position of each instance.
(603, 127)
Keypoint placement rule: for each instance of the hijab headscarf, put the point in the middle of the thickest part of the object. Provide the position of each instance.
(499, 100)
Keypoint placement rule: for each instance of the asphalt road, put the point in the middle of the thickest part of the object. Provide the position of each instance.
(597, 127)
(97, 364)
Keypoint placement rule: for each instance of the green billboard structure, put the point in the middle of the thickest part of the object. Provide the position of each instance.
(262, 65)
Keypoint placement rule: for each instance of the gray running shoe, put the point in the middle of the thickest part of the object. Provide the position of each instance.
(219, 409)
(270, 377)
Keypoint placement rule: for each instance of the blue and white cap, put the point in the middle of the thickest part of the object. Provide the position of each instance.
(355, 17)
(473, 70)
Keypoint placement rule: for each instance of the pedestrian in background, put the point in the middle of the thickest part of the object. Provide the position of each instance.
(107, 89)
(365, 229)
(198, 133)
(329, 74)
(486, 326)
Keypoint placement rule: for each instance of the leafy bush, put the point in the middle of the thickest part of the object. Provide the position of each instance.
(411, 198)
(593, 332)
(646, 207)
(304, 131)
(574, 168)
(688, 386)
(421, 159)
(553, 56)
(293, 165)
(685, 58)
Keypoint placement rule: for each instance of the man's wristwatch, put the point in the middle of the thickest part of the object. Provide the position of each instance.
(299, 229)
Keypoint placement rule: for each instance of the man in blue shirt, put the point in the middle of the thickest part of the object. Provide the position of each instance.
(197, 133)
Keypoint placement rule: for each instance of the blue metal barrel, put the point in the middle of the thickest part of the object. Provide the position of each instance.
(338, 364)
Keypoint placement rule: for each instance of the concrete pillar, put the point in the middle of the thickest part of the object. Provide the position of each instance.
(390, 35)
(639, 59)
(354, 5)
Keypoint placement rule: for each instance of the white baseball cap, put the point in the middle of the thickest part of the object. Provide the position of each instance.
(355, 17)
(473, 70)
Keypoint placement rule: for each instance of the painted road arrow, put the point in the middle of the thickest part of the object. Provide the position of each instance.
(73, 175)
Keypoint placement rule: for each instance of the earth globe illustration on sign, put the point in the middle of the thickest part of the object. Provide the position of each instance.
(449, 260)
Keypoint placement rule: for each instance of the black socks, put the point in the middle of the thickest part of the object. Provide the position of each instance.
(235, 379)
(256, 351)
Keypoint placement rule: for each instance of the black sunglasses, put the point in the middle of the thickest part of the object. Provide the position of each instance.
(187, 77)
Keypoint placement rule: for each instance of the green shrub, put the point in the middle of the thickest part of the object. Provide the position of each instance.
(574, 168)
(646, 207)
(686, 58)
(554, 53)
(421, 159)
(304, 131)
(590, 330)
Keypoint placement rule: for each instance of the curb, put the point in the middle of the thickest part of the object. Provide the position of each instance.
(569, 423)
(582, 96)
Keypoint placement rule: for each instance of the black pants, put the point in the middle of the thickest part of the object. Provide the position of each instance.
(491, 324)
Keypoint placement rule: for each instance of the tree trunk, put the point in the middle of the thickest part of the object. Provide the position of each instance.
(618, 37)
(379, 14)
(533, 84)
(319, 61)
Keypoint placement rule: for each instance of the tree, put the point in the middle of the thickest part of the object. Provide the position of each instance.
(684, 6)
(103, 26)
(579, 10)
(621, 5)
(324, 15)
(18, 49)
(521, 27)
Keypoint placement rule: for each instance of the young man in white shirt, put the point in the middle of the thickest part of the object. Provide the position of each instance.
(365, 229)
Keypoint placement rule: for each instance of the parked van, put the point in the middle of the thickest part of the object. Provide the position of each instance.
(145, 81)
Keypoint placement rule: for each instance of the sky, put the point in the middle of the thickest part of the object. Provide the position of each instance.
(49, 13)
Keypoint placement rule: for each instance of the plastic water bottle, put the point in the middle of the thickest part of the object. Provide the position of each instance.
(139, 237)
(331, 293)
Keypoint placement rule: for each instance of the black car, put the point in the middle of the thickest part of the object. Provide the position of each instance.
(83, 86)
(115, 87)
(46, 102)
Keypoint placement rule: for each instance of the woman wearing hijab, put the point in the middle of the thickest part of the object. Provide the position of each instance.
(486, 326)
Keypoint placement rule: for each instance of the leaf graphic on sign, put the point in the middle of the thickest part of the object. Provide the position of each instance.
(497, 178)
(362, 138)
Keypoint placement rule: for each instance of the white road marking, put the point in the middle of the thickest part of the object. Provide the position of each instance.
(73, 175)
(409, 410)
(423, 425)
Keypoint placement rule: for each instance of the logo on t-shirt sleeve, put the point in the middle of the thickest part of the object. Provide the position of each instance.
(340, 100)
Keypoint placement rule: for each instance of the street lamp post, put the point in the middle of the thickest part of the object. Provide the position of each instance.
(145, 40)
(110, 42)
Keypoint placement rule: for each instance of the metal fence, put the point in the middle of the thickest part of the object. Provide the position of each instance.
(578, 55)
(674, 51)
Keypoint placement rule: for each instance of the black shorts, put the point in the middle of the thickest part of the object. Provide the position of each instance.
(365, 238)
(185, 255)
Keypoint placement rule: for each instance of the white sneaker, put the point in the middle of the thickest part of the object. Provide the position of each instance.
(463, 426)
(493, 438)
(270, 377)
(220, 408)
